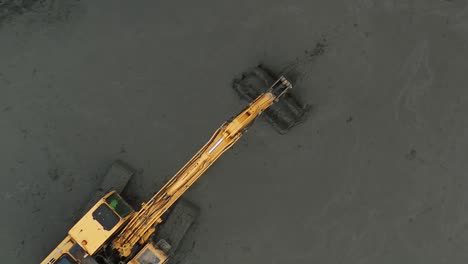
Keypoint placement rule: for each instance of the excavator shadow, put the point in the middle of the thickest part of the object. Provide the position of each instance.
(176, 225)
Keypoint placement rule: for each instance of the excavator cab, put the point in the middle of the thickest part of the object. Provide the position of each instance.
(92, 231)
(100, 223)
(107, 212)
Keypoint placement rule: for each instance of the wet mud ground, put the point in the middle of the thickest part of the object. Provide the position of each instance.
(377, 174)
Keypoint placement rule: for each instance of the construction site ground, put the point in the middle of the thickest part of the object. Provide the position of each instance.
(377, 173)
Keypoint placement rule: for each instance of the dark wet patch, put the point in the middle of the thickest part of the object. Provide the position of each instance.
(411, 155)
(53, 174)
(49, 10)
(122, 150)
(25, 132)
(319, 48)
(11, 8)
(299, 68)
(68, 183)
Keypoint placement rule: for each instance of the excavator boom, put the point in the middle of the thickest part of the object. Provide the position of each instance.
(142, 224)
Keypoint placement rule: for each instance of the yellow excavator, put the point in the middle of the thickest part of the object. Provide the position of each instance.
(112, 225)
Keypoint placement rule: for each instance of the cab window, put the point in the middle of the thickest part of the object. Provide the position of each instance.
(106, 217)
(148, 257)
(65, 259)
(119, 205)
(77, 252)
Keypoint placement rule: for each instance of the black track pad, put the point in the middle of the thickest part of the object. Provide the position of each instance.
(282, 115)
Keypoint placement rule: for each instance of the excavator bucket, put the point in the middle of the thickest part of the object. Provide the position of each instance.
(284, 114)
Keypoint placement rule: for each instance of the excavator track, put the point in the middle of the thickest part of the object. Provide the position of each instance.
(284, 114)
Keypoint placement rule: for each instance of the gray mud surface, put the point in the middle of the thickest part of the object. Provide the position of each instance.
(377, 174)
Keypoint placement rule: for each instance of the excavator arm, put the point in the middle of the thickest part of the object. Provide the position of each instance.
(143, 223)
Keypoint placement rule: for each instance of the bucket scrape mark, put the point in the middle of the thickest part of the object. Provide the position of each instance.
(417, 78)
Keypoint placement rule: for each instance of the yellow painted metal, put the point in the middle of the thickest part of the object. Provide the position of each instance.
(89, 233)
(147, 253)
(142, 224)
(62, 248)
